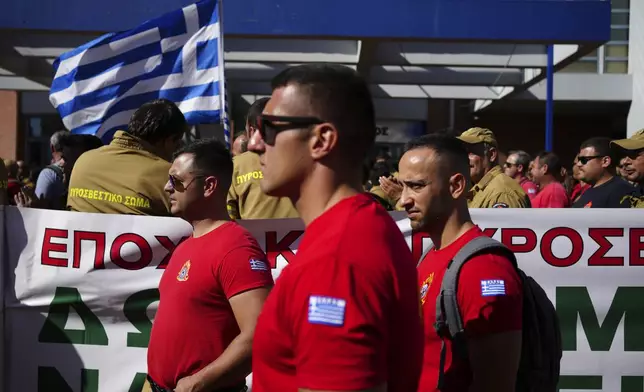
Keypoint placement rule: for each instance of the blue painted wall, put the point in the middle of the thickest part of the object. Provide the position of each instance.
(508, 20)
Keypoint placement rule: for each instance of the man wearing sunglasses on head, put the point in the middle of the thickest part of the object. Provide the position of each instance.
(597, 167)
(245, 198)
(344, 314)
(213, 287)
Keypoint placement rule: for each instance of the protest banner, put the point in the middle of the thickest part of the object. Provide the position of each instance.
(81, 290)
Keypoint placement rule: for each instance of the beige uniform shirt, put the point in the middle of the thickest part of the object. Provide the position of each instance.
(246, 199)
(496, 190)
(124, 177)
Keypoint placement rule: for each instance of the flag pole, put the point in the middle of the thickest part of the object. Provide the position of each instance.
(225, 121)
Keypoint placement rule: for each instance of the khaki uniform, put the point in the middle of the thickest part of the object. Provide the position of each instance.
(382, 197)
(124, 177)
(245, 198)
(496, 190)
(624, 146)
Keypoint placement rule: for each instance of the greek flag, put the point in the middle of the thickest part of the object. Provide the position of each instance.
(178, 56)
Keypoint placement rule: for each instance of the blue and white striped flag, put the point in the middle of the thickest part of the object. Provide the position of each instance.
(178, 56)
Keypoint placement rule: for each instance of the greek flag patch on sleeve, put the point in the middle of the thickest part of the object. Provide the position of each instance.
(492, 287)
(258, 265)
(326, 310)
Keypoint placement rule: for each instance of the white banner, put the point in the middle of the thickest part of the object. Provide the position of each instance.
(81, 291)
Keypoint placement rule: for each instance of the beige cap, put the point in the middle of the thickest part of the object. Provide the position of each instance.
(478, 135)
(635, 142)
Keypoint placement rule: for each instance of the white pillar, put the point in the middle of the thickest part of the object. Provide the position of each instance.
(636, 66)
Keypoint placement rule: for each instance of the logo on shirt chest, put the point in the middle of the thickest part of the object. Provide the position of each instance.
(424, 288)
(182, 276)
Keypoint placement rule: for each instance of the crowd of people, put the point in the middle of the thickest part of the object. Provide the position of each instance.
(604, 174)
(353, 311)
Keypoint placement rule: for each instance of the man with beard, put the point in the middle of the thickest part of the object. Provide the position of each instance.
(632, 151)
(492, 188)
(435, 173)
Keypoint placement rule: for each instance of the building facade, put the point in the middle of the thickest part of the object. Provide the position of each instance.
(432, 65)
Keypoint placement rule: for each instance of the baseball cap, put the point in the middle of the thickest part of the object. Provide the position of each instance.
(635, 142)
(478, 135)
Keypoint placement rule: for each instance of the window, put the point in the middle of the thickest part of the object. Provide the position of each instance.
(616, 66)
(616, 50)
(584, 65)
(619, 18)
(623, 4)
(619, 33)
(38, 130)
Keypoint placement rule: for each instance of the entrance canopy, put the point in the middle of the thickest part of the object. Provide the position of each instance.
(409, 50)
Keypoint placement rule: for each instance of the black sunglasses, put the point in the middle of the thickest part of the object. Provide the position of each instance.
(268, 129)
(177, 185)
(585, 160)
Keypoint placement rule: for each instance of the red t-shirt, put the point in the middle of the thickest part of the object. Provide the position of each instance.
(529, 187)
(195, 323)
(552, 195)
(344, 315)
(482, 314)
(578, 190)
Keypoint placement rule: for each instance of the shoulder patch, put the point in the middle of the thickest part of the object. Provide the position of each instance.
(258, 265)
(492, 287)
(500, 205)
(327, 310)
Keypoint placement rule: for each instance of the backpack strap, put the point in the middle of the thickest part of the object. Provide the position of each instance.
(56, 169)
(448, 315)
(423, 255)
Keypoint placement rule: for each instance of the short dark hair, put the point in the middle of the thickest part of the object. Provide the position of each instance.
(450, 149)
(552, 160)
(255, 110)
(380, 169)
(157, 120)
(339, 95)
(79, 142)
(600, 144)
(212, 158)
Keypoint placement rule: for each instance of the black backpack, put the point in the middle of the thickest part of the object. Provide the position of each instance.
(541, 346)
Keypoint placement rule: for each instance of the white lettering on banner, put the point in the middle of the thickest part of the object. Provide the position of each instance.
(82, 291)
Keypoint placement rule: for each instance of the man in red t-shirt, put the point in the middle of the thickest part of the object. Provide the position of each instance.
(434, 172)
(213, 287)
(552, 193)
(344, 314)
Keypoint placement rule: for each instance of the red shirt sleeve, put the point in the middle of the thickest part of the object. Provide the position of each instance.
(340, 324)
(490, 296)
(242, 269)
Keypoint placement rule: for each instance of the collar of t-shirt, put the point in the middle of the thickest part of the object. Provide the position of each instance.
(450, 250)
(334, 216)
